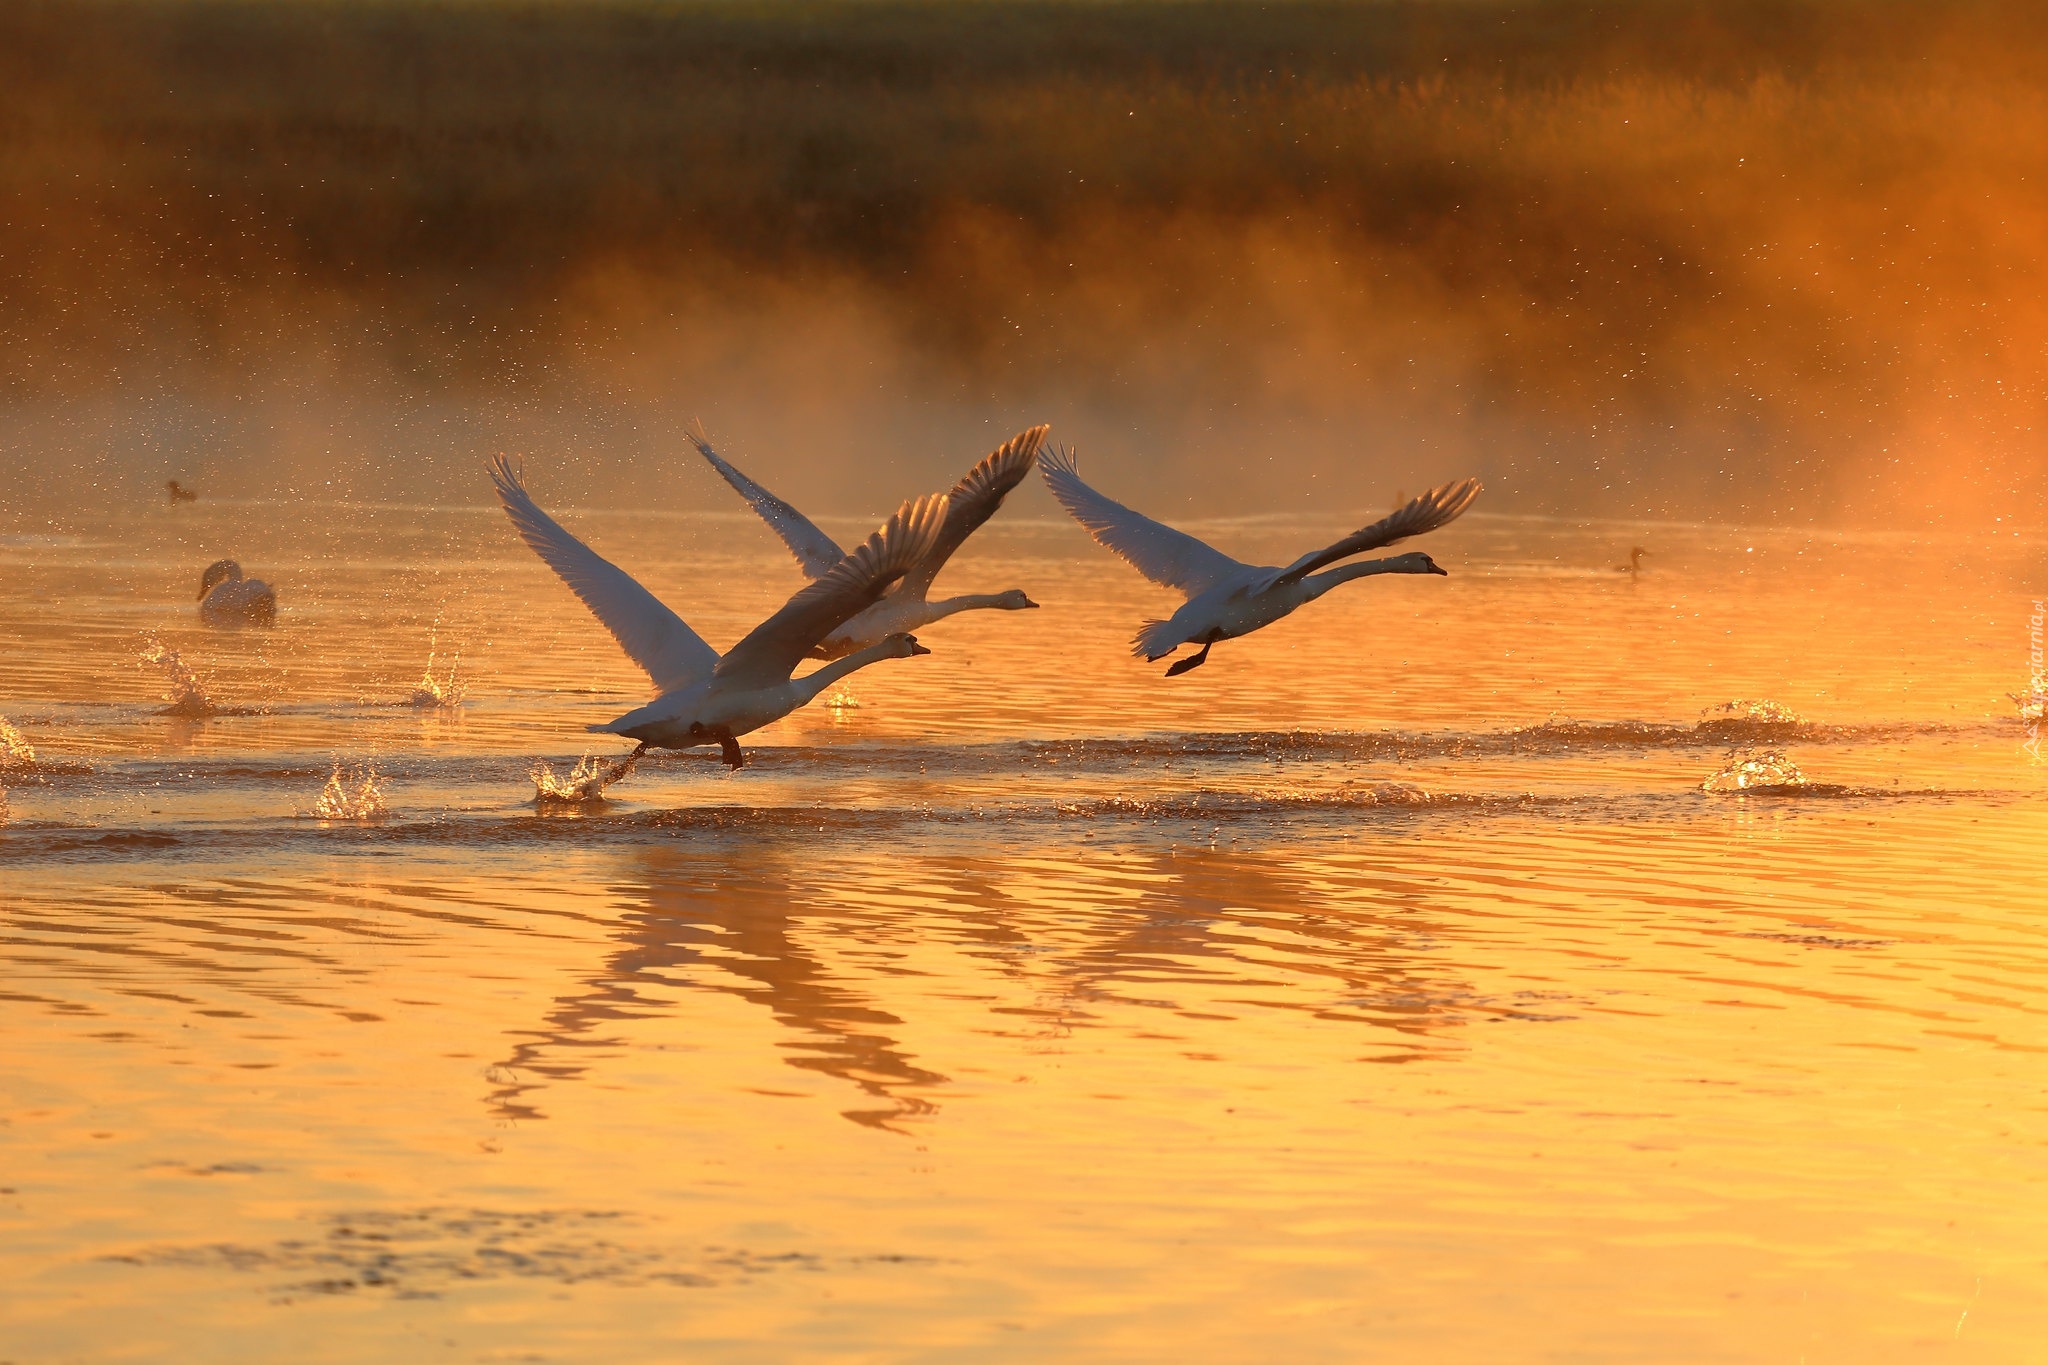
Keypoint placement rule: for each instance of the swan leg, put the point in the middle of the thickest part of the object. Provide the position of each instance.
(729, 749)
(1192, 661)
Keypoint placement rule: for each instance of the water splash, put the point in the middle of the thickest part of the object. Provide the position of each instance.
(429, 695)
(2032, 706)
(353, 792)
(1767, 770)
(183, 689)
(841, 701)
(1751, 713)
(585, 783)
(15, 750)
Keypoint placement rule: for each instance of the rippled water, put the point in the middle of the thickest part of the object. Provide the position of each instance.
(1401, 985)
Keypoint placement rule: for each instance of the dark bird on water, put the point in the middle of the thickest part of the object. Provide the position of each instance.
(1634, 567)
(180, 493)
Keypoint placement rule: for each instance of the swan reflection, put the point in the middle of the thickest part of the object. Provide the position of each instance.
(828, 948)
(692, 922)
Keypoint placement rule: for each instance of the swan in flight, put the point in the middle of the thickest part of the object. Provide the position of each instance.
(702, 697)
(227, 599)
(1227, 599)
(972, 501)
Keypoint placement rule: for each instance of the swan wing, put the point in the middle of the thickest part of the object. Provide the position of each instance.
(772, 650)
(973, 501)
(653, 636)
(1170, 558)
(1440, 506)
(815, 551)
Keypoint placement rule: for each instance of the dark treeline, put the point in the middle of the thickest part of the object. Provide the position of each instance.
(1745, 251)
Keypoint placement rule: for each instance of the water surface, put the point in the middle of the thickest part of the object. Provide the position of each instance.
(1389, 988)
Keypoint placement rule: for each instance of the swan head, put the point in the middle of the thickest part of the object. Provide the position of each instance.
(903, 646)
(1415, 562)
(220, 571)
(1015, 600)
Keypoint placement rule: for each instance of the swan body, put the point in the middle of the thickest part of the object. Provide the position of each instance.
(701, 696)
(907, 606)
(226, 598)
(1227, 599)
(706, 711)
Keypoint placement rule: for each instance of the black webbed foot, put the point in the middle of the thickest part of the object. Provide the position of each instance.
(729, 750)
(1192, 661)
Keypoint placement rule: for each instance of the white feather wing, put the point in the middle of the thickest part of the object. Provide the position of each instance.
(653, 636)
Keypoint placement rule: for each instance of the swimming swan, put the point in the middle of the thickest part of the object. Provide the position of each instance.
(973, 501)
(226, 598)
(702, 697)
(1226, 599)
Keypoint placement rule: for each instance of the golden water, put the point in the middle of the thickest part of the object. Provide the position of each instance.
(1389, 989)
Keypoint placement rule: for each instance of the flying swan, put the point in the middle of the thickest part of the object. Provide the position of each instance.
(702, 697)
(228, 599)
(973, 501)
(1227, 599)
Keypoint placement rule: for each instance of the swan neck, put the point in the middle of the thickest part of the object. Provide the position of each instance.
(973, 601)
(814, 683)
(1323, 582)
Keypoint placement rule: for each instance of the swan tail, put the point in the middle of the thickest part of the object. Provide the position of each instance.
(610, 727)
(1156, 640)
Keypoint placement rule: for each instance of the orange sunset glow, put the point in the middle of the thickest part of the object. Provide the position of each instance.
(1023, 681)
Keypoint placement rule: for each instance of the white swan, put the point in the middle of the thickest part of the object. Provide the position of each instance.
(701, 697)
(973, 501)
(226, 598)
(1226, 599)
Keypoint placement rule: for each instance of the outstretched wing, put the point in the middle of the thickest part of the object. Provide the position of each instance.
(815, 551)
(1170, 558)
(974, 500)
(772, 650)
(653, 636)
(1440, 506)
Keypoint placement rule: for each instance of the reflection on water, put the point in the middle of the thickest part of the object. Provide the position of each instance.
(694, 928)
(1496, 986)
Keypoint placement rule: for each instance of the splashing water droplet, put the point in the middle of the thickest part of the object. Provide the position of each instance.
(586, 781)
(1760, 712)
(15, 750)
(1752, 771)
(183, 688)
(353, 792)
(429, 695)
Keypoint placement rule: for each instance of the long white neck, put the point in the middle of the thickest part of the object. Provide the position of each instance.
(973, 601)
(1318, 584)
(811, 684)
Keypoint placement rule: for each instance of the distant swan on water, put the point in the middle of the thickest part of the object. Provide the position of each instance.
(1634, 567)
(972, 501)
(226, 598)
(178, 492)
(1224, 598)
(702, 697)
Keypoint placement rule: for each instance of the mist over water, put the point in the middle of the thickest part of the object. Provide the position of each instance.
(1771, 263)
